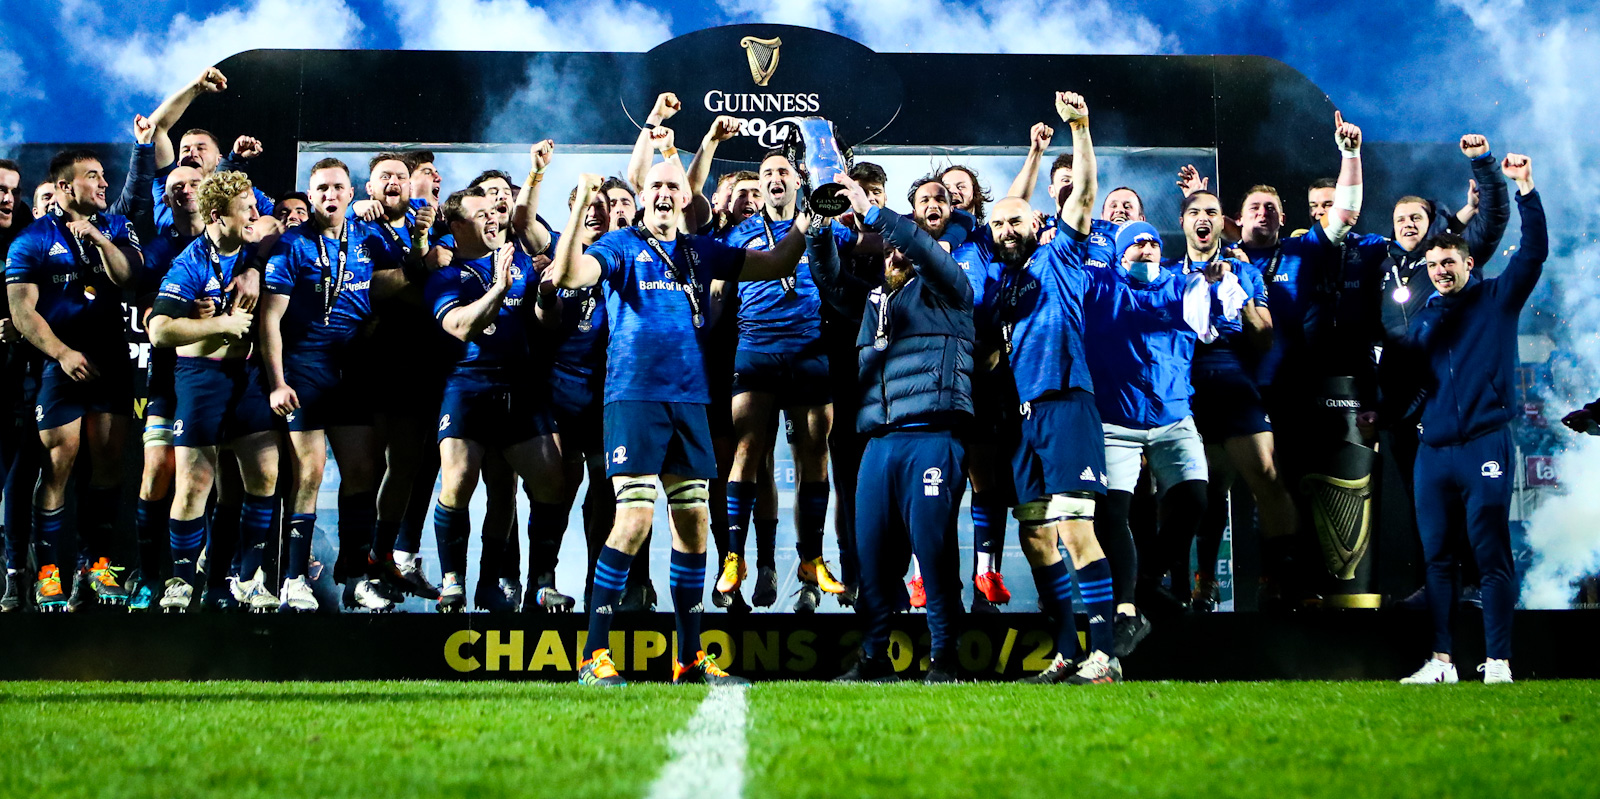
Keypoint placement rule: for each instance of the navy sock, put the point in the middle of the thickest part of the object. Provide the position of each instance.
(1094, 584)
(384, 534)
(46, 535)
(1055, 588)
(451, 527)
(301, 527)
(412, 521)
(988, 528)
(358, 518)
(150, 528)
(222, 542)
(610, 576)
(766, 542)
(97, 510)
(741, 502)
(186, 537)
(811, 511)
(255, 525)
(687, 582)
(547, 525)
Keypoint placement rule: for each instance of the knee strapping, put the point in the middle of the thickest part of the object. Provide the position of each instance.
(1067, 507)
(158, 434)
(636, 494)
(688, 495)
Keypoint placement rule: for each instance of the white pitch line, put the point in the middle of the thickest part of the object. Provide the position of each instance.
(708, 753)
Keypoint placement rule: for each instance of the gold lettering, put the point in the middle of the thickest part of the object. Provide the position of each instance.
(724, 642)
(900, 651)
(550, 652)
(511, 651)
(804, 657)
(1005, 652)
(765, 651)
(974, 649)
(452, 650)
(647, 644)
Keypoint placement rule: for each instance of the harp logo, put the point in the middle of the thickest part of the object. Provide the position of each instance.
(763, 57)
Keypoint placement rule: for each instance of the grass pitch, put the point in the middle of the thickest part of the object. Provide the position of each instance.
(805, 740)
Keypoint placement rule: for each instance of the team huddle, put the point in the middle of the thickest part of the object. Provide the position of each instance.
(650, 345)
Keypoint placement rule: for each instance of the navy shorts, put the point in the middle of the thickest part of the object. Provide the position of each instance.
(797, 379)
(327, 397)
(1062, 447)
(221, 400)
(491, 413)
(158, 387)
(575, 405)
(1227, 404)
(658, 438)
(62, 400)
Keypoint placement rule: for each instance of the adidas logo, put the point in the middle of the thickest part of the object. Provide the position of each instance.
(1088, 474)
(643, 257)
(58, 249)
(605, 609)
(1097, 619)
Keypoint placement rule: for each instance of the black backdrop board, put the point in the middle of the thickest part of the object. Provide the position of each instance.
(1221, 646)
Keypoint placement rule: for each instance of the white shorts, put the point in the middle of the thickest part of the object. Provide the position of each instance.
(1175, 451)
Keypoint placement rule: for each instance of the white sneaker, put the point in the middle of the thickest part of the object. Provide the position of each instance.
(254, 596)
(234, 587)
(296, 596)
(1495, 671)
(1434, 671)
(369, 598)
(177, 596)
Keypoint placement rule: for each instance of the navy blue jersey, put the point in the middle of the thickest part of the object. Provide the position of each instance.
(158, 257)
(656, 353)
(1100, 249)
(76, 296)
(327, 307)
(1039, 308)
(501, 349)
(1293, 273)
(580, 341)
(779, 316)
(1230, 347)
(193, 276)
(163, 213)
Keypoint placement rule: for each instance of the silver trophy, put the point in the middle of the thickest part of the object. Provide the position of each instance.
(814, 150)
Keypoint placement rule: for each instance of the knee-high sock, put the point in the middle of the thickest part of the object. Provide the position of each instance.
(222, 540)
(1209, 540)
(409, 536)
(687, 582)
(1183, 508)
(988, 532)
(1055, 593)
(811, 511)
(150, 518)
(451, 527)
(302, 526)
(719, 516)
(1094, 584)
(741, 502)
(1116, 538)
(97, 511)
(47, 535)
(639, 573)
(186, 536)
(610, 576)
(547, 525)
(255, 526)
(767, 543)
(358, 516)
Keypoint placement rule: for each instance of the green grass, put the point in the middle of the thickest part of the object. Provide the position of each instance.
(1180, 740)
(382, 740)
(369, 740)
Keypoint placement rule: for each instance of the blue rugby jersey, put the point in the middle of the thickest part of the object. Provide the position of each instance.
(295, 269)
(779, 316)
(77, 297)
(501, 351)
(655, 353)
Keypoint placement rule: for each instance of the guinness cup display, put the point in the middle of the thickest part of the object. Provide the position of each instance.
(814, 149)
(1340, 491)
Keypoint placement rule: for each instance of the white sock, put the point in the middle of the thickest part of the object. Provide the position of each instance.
(985, 563)
(403, 558)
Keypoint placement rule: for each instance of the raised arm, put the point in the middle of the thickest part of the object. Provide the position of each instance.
(1347, 194)
(1077, 211)
(722, 129)
(929, 260)
(135, 198)
(1527, 263)
(525, 216)
(1038, 139)
(166, 115)
(571, 267)
(780, 261)
(840, 289)
(1485, 229)
(651, 136)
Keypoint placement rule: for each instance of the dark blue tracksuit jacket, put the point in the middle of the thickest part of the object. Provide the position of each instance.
(915, 383)
(1468, 341)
